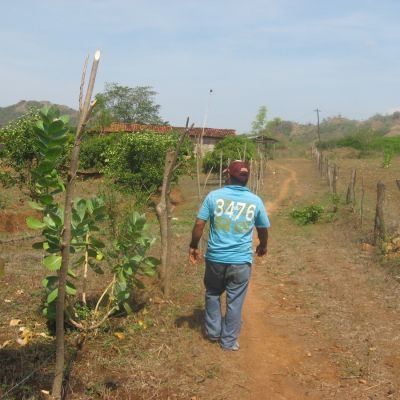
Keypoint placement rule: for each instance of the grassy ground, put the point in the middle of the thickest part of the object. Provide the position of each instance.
(322, 320)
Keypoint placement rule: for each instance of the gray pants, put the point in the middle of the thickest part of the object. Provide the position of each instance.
(234, 279)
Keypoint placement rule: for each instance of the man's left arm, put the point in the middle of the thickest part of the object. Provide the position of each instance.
(197, 232)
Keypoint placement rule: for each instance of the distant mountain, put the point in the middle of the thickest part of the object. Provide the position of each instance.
(334, 127)
(14, 111)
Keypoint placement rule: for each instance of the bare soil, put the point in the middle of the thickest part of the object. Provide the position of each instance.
(320, 319)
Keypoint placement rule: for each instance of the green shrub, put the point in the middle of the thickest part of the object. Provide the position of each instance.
(307, 215)
(21, 150)
(365, 140)
(387, 158)
(93, 151)
(136, 161)
(232, 148)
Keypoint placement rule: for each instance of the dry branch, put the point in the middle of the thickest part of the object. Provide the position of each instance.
(163, 208)
(84, 115)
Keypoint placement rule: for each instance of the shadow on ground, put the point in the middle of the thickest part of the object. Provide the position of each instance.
(193, 321)
(29, 369)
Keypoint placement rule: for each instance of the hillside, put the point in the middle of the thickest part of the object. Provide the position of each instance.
(14, 111)
(335, 127)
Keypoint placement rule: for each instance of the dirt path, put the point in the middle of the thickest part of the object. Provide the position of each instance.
(316, 308)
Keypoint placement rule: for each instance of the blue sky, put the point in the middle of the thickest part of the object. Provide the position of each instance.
(291, 56)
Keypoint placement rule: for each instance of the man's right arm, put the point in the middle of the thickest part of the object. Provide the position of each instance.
(261, 249)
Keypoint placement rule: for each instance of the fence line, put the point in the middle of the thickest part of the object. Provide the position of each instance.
(330, 171)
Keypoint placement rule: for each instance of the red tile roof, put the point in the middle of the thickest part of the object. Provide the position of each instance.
(208, 132)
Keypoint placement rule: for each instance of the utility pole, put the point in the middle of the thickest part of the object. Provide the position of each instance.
(319, 136)
(204, 122)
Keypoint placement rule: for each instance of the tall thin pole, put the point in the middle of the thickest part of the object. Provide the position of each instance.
(319, 136)
(204, 122)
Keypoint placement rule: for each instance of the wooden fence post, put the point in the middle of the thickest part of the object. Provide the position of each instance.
(335, 174)
(362, 201)
(379, 228)
(326, 166)
(351, 195)
(321, 164)
(398, 183)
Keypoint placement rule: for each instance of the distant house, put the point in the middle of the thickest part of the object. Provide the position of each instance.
(211, 136)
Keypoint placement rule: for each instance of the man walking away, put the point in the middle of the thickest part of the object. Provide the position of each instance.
(233, 211)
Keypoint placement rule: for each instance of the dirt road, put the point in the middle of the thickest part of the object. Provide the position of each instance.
(321, 317)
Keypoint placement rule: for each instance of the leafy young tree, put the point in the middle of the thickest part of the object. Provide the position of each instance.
(101, 115)
(259, 125)
(135, 105)
(232, 148)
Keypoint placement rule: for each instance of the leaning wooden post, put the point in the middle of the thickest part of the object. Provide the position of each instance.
(398, 183)
(326, 166)
(321, 163)
(330, 177)
(351, 195)
(85, 109)
(362, 201)
(379, 227)
(163, 210)
(334, 178)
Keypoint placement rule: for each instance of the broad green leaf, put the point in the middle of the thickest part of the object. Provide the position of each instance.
(39, 125)
(95, 267)
(52, 263)
(152, 261)
(34, 223)
(45, 167)
(49, 281)
(56, 126)
(71, 273)
(70, 288)
(35, 206)
(80, 208)
(46, 199)
(92, 253)
(53, 220)
(52, 296)
(53, 153)
(79, 261)
(38, 245)
(64, 119)
(149, 271)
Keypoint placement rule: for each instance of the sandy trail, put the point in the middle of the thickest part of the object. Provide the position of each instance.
(268, 354)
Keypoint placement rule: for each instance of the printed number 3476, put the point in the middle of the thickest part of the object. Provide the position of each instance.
(235, 209)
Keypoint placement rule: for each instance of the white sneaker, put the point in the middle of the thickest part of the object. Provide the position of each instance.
(235, 347)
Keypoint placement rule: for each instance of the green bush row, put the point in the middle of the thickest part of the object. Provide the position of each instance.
(136, 161)
(365, 140)
(93, 151)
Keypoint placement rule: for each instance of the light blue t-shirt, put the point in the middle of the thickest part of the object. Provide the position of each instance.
(233, 211)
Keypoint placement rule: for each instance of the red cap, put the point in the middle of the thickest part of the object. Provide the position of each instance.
(239, 170)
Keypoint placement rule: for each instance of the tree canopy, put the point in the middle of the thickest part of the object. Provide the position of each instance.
(126, 104)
